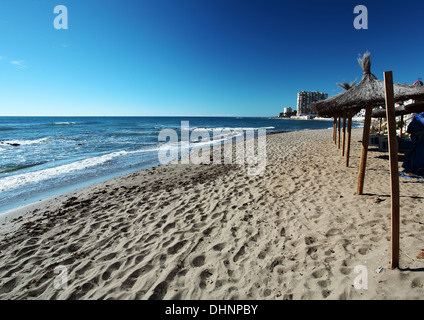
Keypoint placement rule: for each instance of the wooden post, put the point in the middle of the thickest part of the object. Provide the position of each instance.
(334, 129)
(364, 151)
(401, 126)
(338, 139)
(349, 130)
(394, 168)
(379, 127)
(344, 134)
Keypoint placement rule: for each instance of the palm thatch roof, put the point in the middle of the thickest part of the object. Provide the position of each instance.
(381, 113)
(369, 91)
(346, 86)
(416, 107)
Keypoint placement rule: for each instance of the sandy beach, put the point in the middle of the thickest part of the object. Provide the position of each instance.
(215, 232)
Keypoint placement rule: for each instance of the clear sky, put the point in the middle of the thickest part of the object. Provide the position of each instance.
(196, 57)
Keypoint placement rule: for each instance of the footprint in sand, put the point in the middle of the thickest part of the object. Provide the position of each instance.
(159, 291)
(199, 261)
(168, 227)
(239, 254)
(176, 247)
(218, 247)
(204, 276)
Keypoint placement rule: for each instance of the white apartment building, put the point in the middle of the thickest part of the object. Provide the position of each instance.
(304, 100)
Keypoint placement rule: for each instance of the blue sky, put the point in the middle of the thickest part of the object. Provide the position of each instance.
(195, 57)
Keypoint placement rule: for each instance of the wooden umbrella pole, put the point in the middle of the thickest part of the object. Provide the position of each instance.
(401, 126)
(394, 169)
(364, 151)
(338, 139)
(344, 134)
(349, 130)
(337, 129)
(334, 129)
(379, 127)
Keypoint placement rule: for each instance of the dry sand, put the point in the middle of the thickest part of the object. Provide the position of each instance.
(214, 232)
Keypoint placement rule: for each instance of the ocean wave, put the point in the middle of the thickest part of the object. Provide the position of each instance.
(92, 122)
(6, 129)
(65, 123)
(19, 180)
(226, 128)
(201, 141)
(20, 167)
(22, 142)
(129, 134)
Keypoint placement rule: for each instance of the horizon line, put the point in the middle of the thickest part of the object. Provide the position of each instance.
(105, 116)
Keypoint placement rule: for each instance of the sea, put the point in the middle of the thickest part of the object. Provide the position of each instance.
(41, 157)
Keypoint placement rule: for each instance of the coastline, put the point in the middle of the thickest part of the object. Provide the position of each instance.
(214, 232)
(52, 165)
(66, 189)
(354, 120)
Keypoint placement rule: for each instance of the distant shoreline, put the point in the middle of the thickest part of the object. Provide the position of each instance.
(357, 120)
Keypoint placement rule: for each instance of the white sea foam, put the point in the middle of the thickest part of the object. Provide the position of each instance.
(226, 128)
(214, 138)
(64, 123)
(16, 181)
(23, 142)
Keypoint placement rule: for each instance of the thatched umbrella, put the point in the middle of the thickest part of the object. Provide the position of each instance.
(416, 107)
(399, 111)
(346, 86)
(381, 113)
(367, 93)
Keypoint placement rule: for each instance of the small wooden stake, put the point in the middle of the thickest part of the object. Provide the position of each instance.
(364, 151)
(394, 168)
(344, 134)
(349, 130)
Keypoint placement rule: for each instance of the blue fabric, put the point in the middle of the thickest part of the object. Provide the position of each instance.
(417, 124)
(415, 159)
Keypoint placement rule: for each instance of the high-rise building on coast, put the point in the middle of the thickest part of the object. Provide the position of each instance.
(304, 100)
